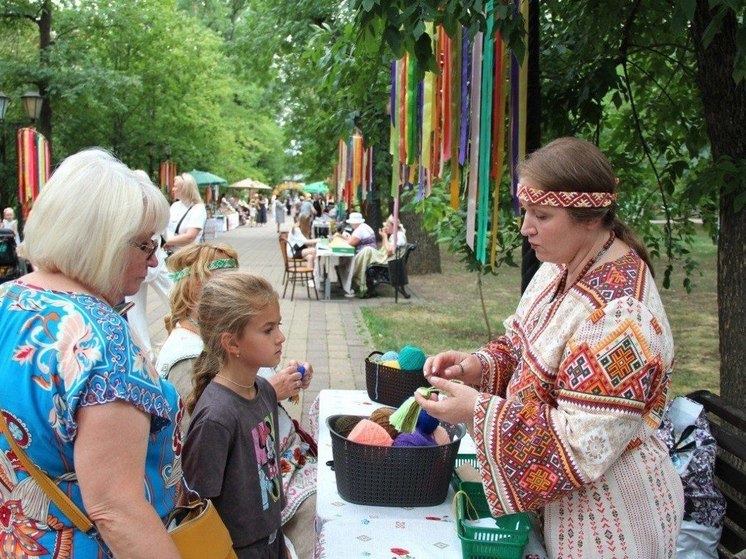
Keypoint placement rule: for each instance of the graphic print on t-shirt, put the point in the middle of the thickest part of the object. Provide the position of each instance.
(266, 461)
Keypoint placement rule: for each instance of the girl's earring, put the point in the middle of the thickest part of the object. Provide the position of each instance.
(238, 355)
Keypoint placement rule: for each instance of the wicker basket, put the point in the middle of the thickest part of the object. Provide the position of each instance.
(391, 476)
(389, 386)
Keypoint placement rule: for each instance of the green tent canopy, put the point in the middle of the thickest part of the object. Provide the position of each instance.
(204, 178)
(316, 188)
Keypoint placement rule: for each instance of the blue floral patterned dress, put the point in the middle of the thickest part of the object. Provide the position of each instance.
(60, 351)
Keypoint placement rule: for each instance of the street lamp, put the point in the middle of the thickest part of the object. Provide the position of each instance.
(32, 102)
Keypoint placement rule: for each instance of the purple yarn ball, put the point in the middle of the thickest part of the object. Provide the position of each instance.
(414, 439)
(426, 422)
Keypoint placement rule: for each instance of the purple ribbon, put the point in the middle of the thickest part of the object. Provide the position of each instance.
(392, 101)
(465, 75)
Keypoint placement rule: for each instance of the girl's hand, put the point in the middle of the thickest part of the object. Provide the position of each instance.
(456, 407)
(286, 382)
(456, 365)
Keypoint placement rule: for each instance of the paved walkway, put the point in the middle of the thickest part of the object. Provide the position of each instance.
(329, 334)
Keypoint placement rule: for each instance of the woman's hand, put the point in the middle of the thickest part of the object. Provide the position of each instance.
(456, 365)
(307, 375)
(286, 382)
(456, 407)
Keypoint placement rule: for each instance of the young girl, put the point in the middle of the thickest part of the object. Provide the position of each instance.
(231, 452)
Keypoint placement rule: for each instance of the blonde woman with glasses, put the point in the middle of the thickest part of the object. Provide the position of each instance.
(80, 396)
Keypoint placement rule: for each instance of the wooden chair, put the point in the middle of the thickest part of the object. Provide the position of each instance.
(394, 272)
(296, 271)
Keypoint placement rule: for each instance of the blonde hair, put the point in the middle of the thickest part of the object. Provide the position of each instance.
(390, 221)
(87, 215)
(229, 302)
(189, 192)
(573, 165)
(185, 293)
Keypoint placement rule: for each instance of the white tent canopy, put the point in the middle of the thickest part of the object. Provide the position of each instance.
(250, 184)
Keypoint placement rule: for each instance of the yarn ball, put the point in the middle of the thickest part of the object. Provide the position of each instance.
(344, 424)
(391, 364)
(414, 439)
(368, 432)
(441, 436)
(412, 358)
(390, 356)
(381, 416)
(426, 423)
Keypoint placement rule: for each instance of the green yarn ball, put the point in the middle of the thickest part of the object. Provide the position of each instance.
(412, 358)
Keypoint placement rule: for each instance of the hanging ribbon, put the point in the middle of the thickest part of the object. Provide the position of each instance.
(498, 138)
(485, 134)
(33, 166)
(455, 116)
(476, 90)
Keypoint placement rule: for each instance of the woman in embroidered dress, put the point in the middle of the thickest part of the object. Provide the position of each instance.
(191, 268)
(80, 397)
(563, 408)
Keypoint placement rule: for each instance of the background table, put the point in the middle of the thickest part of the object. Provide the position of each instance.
(348, 530)
(326, 261)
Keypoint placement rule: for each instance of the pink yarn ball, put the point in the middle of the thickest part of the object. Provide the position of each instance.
(441, 436)
(369, 432)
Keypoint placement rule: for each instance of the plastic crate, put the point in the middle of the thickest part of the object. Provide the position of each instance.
(473, 489)
(507, 540)
(391, 476)
(389, 386)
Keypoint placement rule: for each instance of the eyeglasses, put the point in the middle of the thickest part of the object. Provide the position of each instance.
(148, 247)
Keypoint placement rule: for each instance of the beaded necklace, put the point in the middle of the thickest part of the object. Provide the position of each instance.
(586, 268)
(244, 386)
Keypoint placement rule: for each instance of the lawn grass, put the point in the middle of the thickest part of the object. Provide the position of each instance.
(448, 315)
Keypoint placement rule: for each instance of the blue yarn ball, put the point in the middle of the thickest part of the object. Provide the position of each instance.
(389, 356)
(412, 358)
(413, 439)
(426, 423)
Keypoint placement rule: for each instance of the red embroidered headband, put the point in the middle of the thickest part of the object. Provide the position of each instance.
(560, 199)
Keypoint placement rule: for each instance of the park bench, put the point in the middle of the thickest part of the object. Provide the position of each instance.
(394, 273)
(728, 427)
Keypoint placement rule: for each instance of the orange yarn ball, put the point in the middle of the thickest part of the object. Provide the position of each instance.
(368, 432)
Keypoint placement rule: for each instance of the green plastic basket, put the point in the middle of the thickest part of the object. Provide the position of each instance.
(472, 488)
(507, 540)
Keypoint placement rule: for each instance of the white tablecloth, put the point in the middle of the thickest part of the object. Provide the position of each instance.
(348, 530)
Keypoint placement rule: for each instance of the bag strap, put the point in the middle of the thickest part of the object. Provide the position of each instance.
(176, 231)
(63, 502)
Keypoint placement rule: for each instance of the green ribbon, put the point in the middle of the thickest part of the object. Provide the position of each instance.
(220, 264)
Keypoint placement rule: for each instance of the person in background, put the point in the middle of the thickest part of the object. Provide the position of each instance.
(262, 207)
(362, 234)
(279, 211)
(301, 247)
(192, 267)
(231, 451)
(386, 252)
(306, 213)
(10, 222)
(81, 397)
(581, 377)
(188, 214)
(158, 279)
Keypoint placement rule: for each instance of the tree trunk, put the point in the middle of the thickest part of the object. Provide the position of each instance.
(724, 104)
(45, 40)
(426, 258)
(529, 263)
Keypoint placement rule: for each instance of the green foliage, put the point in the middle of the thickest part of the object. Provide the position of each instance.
(402, 24)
